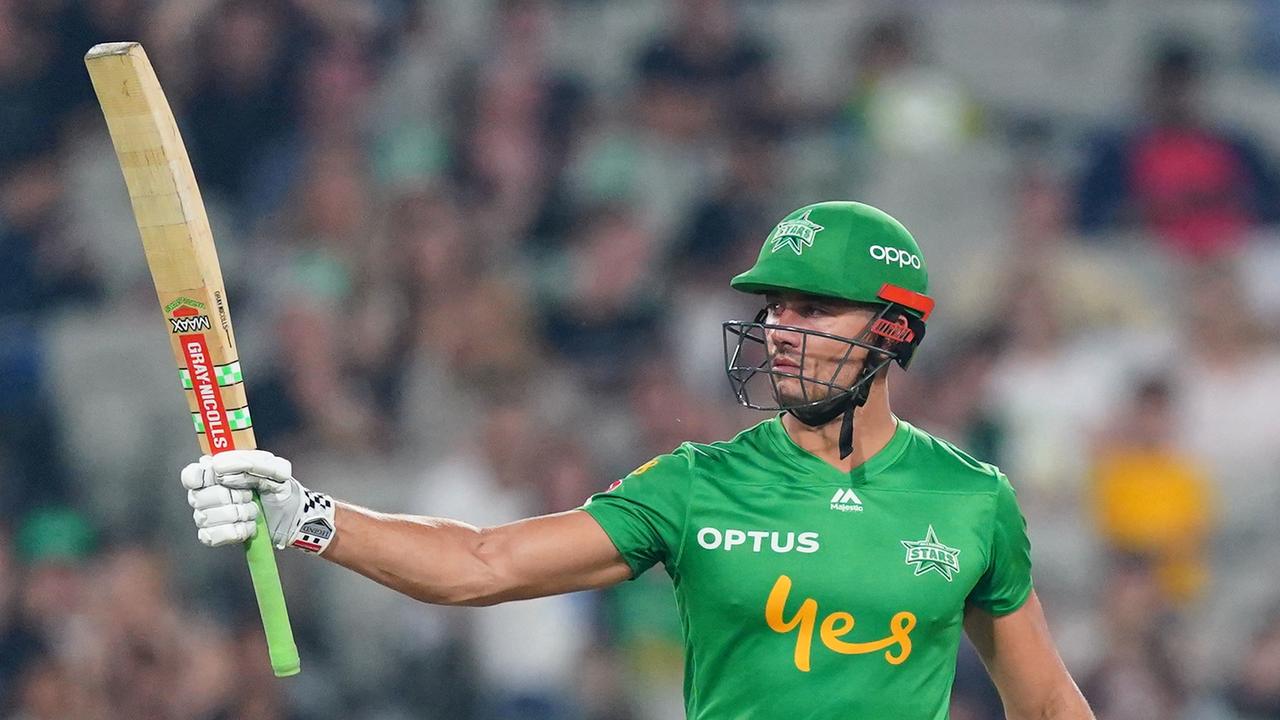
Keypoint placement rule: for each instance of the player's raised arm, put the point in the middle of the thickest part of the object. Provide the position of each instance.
(435, 560)
(448, 562)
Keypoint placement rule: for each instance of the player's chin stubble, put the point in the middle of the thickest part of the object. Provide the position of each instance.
(788, 388)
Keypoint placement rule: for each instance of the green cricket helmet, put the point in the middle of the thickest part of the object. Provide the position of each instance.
(843, 250)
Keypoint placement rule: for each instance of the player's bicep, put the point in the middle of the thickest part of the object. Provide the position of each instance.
(548, 555)
(1023, 662)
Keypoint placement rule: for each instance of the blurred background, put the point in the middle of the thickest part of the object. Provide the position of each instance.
(478, 253)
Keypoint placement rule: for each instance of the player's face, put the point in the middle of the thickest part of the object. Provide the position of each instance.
(800, 359)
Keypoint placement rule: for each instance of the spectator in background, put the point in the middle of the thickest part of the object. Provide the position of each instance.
(724, 225)
(18, 644)
(663, 412)
(1228, 376)
(601, 304)
(491, 480)
(79, 26)
(702, 71)
(45, 271)
(1050, 387)
(29, 85)
(1229, 390)
(1197, 188)
(42, 616)
(1091, 290)
(484, 333)
(1149, 497)
(722, 231)
(243, 98)
(49, 690)
(258, 695)
(308, 400)
(515, 117)
(661, 145)
(318, 268)
(1254, 692)
(951, 399)
(899, 102)
(1140, 676)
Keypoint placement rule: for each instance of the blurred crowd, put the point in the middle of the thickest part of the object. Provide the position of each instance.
(478, 254)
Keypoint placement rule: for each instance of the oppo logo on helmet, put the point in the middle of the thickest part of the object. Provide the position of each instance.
(892, 255)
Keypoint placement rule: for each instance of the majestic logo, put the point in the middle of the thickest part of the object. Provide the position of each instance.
(796, 234)
(896, 646)
(713, 539)
(187, 319)
(894, 256)
(929, 554)
(846, 501)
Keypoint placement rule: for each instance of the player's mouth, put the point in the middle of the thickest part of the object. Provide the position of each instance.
(785, 366)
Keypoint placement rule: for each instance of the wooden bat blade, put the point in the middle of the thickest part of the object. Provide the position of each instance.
(179, 248)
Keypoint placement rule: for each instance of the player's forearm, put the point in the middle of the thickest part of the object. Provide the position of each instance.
(1065, 703)
(434, 560)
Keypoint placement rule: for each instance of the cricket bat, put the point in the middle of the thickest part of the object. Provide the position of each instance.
(184, 264)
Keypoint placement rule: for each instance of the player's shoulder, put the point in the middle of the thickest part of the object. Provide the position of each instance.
(674, 471)
(753, 442)
(950, 467)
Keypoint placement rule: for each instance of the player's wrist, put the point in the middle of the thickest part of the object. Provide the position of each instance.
(311, 526)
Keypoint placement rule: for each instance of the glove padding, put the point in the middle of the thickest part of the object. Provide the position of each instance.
(220, 491)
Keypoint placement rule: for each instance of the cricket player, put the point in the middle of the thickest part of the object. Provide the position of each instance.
(824, 561)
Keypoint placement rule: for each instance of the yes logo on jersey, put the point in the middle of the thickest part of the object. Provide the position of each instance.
(896, 645)
(929, 554)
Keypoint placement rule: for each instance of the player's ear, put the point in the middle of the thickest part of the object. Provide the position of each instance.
(897, 331)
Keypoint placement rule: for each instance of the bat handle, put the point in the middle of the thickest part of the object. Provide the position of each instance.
(266, 586)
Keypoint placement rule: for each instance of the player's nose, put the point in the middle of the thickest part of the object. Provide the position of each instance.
(782, 339)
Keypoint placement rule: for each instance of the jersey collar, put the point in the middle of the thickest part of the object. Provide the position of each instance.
(815, 466)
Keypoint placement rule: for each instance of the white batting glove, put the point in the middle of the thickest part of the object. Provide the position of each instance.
(219, 489)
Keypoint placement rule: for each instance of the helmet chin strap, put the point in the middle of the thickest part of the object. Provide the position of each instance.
(843, 404)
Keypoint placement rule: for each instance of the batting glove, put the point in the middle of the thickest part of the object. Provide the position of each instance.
(220, 491)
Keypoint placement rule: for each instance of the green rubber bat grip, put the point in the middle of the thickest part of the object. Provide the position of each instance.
(266, 586)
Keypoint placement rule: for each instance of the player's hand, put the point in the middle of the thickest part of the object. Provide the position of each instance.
(220, 491)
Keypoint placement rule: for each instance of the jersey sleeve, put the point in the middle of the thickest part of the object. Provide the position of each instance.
(644, 513)
(1006, 584)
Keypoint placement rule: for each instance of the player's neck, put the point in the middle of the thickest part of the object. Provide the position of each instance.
(873, 428)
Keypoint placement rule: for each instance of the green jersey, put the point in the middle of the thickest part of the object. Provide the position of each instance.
(807, 592)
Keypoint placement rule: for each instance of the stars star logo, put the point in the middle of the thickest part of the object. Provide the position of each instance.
(929, 554)
(796, 234)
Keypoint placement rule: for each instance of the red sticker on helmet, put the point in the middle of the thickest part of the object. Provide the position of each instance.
(896, 330)
(921, 303)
